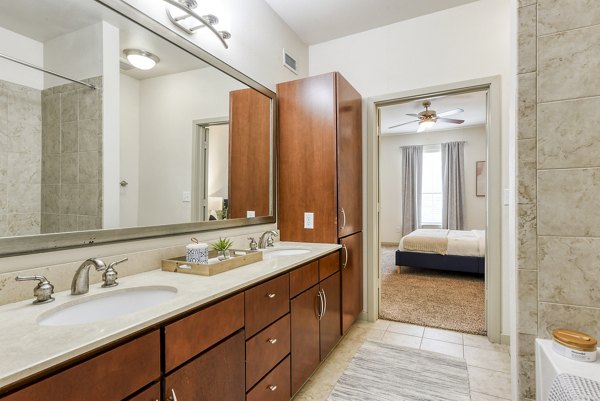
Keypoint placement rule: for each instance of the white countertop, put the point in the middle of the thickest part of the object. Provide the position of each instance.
(27, 348)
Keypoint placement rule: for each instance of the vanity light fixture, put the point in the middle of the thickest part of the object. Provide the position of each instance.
(141, 59)
(182, 14)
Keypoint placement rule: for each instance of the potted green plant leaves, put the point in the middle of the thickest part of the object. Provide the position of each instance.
(222, 247)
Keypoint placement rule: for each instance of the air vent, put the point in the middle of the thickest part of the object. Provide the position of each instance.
(289, 62)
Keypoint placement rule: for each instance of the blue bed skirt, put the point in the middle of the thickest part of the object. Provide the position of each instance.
(466, 264)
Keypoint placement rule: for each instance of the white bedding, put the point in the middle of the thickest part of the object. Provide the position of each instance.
(460, 243)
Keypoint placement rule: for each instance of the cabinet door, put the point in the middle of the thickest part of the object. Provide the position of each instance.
(330, 324)
(217, 375)
(352, 279)
(150, 394)
(305, 336)
(349, 158)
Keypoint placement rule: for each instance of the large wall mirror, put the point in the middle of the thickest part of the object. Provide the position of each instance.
(95, 147)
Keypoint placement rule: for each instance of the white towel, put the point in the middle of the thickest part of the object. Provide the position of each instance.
(566, 387)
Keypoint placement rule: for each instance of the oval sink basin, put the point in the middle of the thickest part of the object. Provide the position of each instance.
(107, 306)
(287, 251)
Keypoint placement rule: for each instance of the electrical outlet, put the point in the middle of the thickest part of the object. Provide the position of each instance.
(309, 220)
(186, 196)
(250, 213)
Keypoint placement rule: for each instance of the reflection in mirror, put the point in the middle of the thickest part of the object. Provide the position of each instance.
(177, 143)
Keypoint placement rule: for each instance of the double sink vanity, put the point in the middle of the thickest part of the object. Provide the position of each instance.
(253, 333)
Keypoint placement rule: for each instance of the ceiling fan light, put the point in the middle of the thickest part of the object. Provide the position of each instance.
(141, 59)
(426, 124)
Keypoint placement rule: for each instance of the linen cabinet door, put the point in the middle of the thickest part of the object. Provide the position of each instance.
(349, 158)
(352, 279)
(331, 323)
(217, 375)
(304, 336)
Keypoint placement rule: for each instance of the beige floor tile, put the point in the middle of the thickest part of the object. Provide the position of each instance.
(405, 328)
(443, 335)
(401, 339)
(442, 347)
(361, 333)
(314, 391)
(485, 397)
(472, 340)
(378, 324)
(489, 382)
(488, 359)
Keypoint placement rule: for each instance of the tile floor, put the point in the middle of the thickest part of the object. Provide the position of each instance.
(488, 364)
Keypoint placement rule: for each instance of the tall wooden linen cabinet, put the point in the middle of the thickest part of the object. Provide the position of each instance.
(320, 172)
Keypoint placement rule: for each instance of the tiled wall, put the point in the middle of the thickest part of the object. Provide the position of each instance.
(72, 157)
(558, 173)
(20, 159)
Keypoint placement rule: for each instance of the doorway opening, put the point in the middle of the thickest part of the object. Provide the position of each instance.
(434, 247)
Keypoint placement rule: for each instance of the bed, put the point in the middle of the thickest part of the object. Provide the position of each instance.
(452, 250)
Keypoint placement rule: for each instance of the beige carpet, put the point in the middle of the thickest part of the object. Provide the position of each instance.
(433, 298)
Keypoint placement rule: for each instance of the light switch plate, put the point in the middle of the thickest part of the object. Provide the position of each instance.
(309, 220)
(250, 213)
(186, 196)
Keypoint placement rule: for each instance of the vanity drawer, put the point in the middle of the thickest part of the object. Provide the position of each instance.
(275, 386)
(150, 394)
(266, 303)
(328, 265)
(303, 278)
(113, 375)
(191, 335)
(266, 349)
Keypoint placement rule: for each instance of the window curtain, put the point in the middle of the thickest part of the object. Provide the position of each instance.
(453, 185)
(412, 166)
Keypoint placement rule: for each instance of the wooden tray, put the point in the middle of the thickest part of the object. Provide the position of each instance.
(214, 266)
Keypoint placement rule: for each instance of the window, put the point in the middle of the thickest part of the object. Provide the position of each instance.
(431, 203)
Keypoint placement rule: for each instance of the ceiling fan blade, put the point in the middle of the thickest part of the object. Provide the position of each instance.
(450, 120)
(421, 128)
(399, 125)
(412, 115)
(450, 112)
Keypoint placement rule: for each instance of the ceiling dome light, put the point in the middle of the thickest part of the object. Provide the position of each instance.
(141, 59)
(426, 124)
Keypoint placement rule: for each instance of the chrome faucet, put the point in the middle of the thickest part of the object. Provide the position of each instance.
(266, 239)
(81, 280)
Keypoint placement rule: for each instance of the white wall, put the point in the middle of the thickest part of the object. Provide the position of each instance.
(258, 37)
(77, 55)
(390, 170)
(130, 150)
(458, 44)
(23, 48)
(168, 106)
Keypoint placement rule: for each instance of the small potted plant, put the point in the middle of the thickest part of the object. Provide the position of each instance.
(222, 247)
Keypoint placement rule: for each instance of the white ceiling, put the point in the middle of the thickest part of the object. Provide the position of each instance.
(473, 104)
(317, 21)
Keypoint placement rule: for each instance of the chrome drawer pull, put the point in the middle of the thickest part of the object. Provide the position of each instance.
(272, 387)
(344, 219)
(173, 396)
(272, 340)
(271, 295)
(345, 256)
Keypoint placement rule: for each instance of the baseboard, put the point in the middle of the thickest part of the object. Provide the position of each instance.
(363, 316)
(389, 243)
(504, 339)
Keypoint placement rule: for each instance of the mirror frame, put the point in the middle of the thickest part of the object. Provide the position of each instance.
(12, 246)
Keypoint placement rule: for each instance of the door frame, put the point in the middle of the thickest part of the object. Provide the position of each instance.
(493, 253)
(199, 156)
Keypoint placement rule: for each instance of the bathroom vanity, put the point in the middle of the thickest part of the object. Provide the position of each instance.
(254, 333)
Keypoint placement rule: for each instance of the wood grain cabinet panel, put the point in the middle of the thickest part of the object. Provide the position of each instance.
(150, 394)
(266, 303)
(328, 265)
(305, 336)
(275, 386)
(330, 327)
(266, 349)
(216, 375)
(352, 279)
(193, 334)
(303, 278)
(111, 376)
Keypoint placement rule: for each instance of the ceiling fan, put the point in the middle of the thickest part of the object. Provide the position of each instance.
(428, 118)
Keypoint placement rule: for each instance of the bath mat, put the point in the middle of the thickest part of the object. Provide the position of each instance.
(384, 372)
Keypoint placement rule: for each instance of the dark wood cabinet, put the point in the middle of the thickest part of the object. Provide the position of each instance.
(275, 386)
(315, 325)
(216, 375)
(150, 394)
(320, 158)
(352, 279)
(266, 303)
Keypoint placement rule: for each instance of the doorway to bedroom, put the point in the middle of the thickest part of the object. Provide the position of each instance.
(433, 152)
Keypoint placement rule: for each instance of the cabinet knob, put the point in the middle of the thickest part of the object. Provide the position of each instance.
(272, 340)
(272, 387)
(173, 396)
(271, 295)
